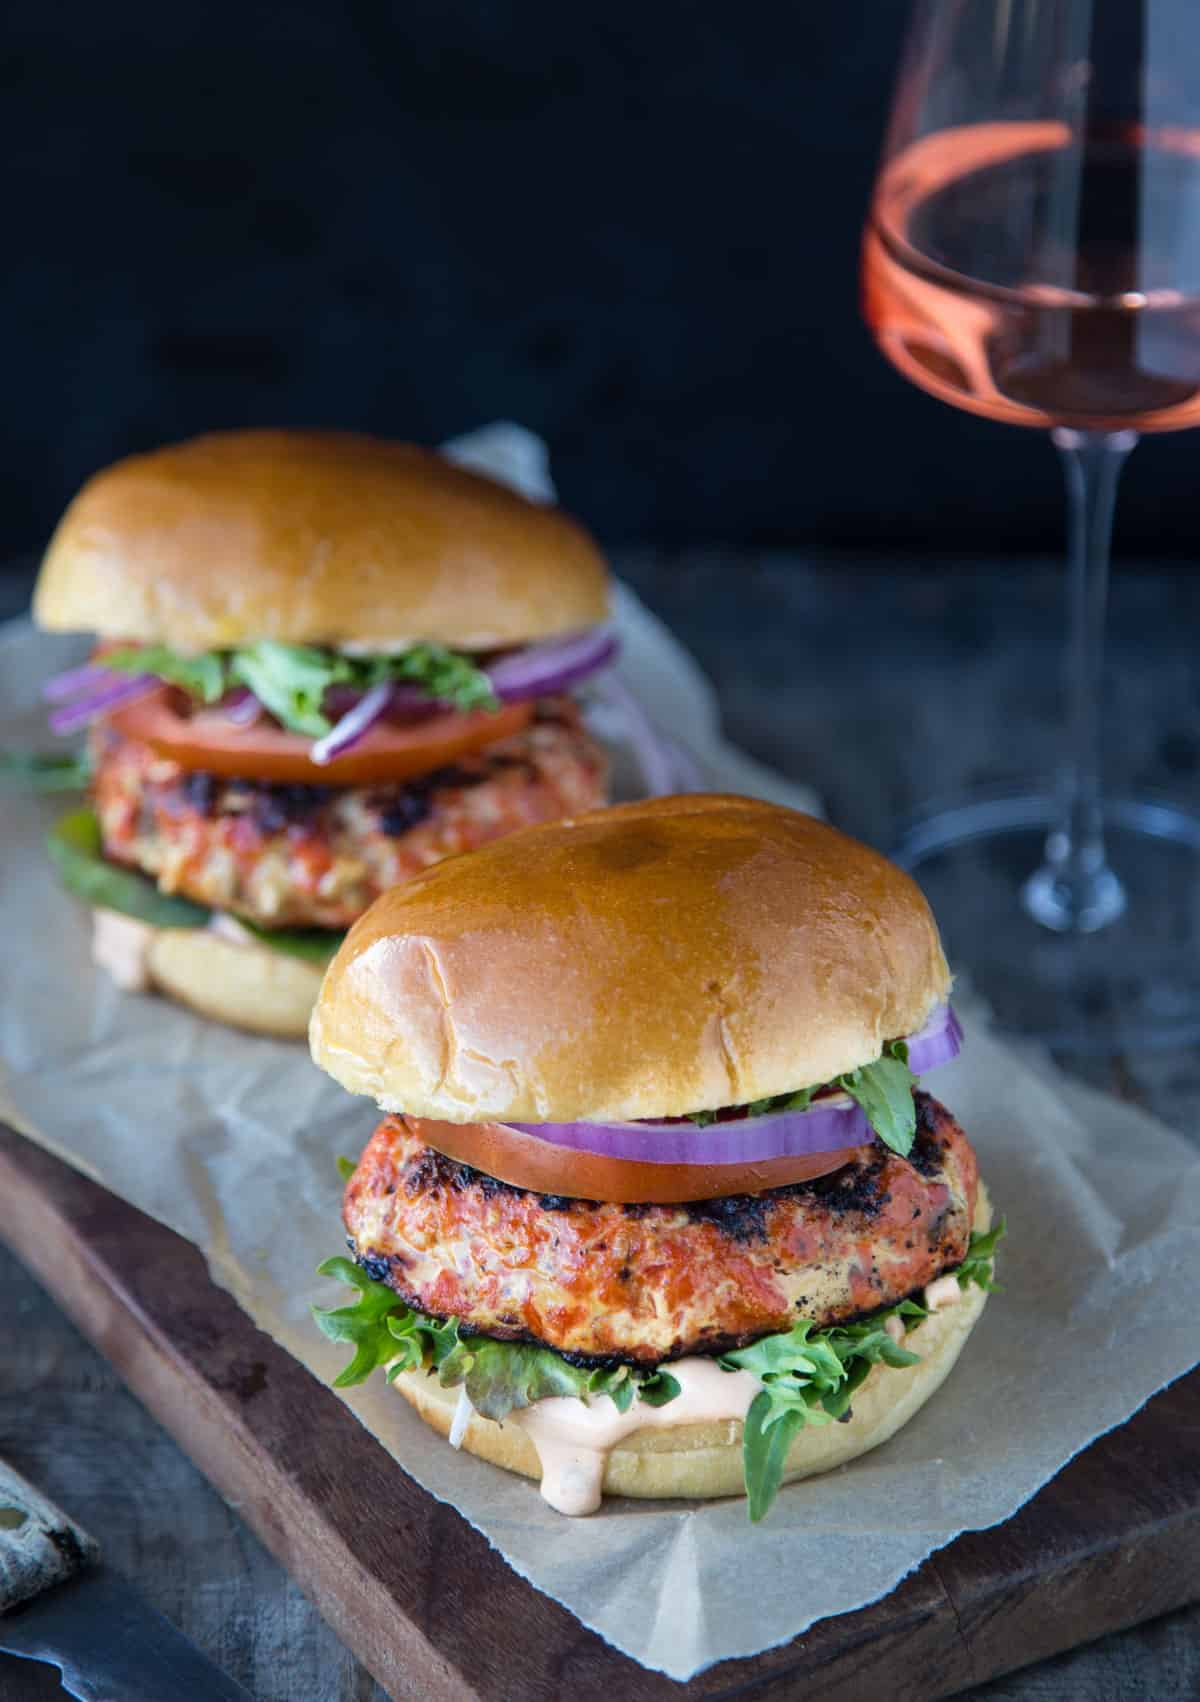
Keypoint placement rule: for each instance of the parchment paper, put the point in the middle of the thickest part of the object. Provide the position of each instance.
(231, 1141)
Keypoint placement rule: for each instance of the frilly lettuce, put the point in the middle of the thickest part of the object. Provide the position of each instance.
(808, 1375)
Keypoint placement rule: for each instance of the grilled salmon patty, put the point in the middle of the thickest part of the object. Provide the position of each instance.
(316, 856)
(647, 1283)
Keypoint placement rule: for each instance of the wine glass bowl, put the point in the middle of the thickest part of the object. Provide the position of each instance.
(1032, 255)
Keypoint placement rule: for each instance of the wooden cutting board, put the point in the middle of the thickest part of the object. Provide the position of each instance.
(434, 1613)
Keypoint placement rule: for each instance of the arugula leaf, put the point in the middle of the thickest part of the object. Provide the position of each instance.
(884, 1089)
(203, 675)
(30, 771)
(74, 844)
(345, 1167)
(291, 680)
(809, 1376)
(766, 1437)
(797, 1101)
(445, 675)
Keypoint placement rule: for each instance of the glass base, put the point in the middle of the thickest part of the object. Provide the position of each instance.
(1133, 980)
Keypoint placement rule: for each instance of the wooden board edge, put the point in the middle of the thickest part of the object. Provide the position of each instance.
(920, 1625)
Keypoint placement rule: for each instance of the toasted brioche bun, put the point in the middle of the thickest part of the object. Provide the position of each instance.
(313, 538)
(701, 1461)
(248, 986)
(645, 961)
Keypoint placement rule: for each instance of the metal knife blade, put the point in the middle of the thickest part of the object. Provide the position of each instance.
(111, 1646)
(57, 1604)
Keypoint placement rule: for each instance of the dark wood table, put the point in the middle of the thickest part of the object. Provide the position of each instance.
(879, 683)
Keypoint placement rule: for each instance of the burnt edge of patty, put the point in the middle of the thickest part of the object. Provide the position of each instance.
(379, 1267)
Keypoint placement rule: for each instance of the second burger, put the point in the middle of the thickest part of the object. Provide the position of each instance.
(324, 662)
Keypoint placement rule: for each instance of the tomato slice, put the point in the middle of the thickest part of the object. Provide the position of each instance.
(527, 1161)
(209, 741)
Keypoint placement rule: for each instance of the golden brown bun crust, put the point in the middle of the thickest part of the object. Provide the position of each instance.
(700, 1461)
(645, 961)
(246, 986)
(314, 538)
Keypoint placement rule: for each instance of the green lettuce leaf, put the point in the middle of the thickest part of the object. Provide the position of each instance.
(800, 1100)
(443, 673)
(884, 1089)
(500, 1377)
(808, 1375)
(292, 679)
(74, 844)
(204, 676)
(977, 1266)
(314, 945)
(30, 771)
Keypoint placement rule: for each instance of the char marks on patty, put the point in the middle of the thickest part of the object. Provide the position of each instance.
(652, 1282)
(300, 855)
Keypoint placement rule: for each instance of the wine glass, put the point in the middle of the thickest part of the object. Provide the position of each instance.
(1032, 254)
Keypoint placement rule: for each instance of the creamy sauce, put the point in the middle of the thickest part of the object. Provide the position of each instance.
(574, 1438)
(943, 1291)
(121, 945)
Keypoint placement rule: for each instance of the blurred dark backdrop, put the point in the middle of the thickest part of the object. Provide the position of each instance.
(632, 227)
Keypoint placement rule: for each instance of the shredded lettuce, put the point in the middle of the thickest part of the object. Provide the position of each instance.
(808, 1375)
(291, 680)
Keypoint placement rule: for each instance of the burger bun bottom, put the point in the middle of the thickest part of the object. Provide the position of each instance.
(247, 985)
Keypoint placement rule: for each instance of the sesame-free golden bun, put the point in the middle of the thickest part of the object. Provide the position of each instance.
(702, 1461)
(646, 961)
(313, 537)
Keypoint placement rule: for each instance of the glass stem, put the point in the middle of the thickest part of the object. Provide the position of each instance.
(1075, 891)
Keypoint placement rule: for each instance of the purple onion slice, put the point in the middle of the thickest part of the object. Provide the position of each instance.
(354, 724)
(113, 695)
(826, 1126)
(540, 669)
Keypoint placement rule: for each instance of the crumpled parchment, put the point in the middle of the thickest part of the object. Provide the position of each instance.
(231, 1140)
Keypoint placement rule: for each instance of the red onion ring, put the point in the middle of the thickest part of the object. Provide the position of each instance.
(241, 707)
(936, 1043)
(540, 669)
(825, 1126)
(75, 682)
(99, 702)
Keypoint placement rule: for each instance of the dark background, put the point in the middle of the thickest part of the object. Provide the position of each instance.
(632, 227)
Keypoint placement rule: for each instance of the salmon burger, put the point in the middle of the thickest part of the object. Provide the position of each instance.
(324, 663)
(658, 1205)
